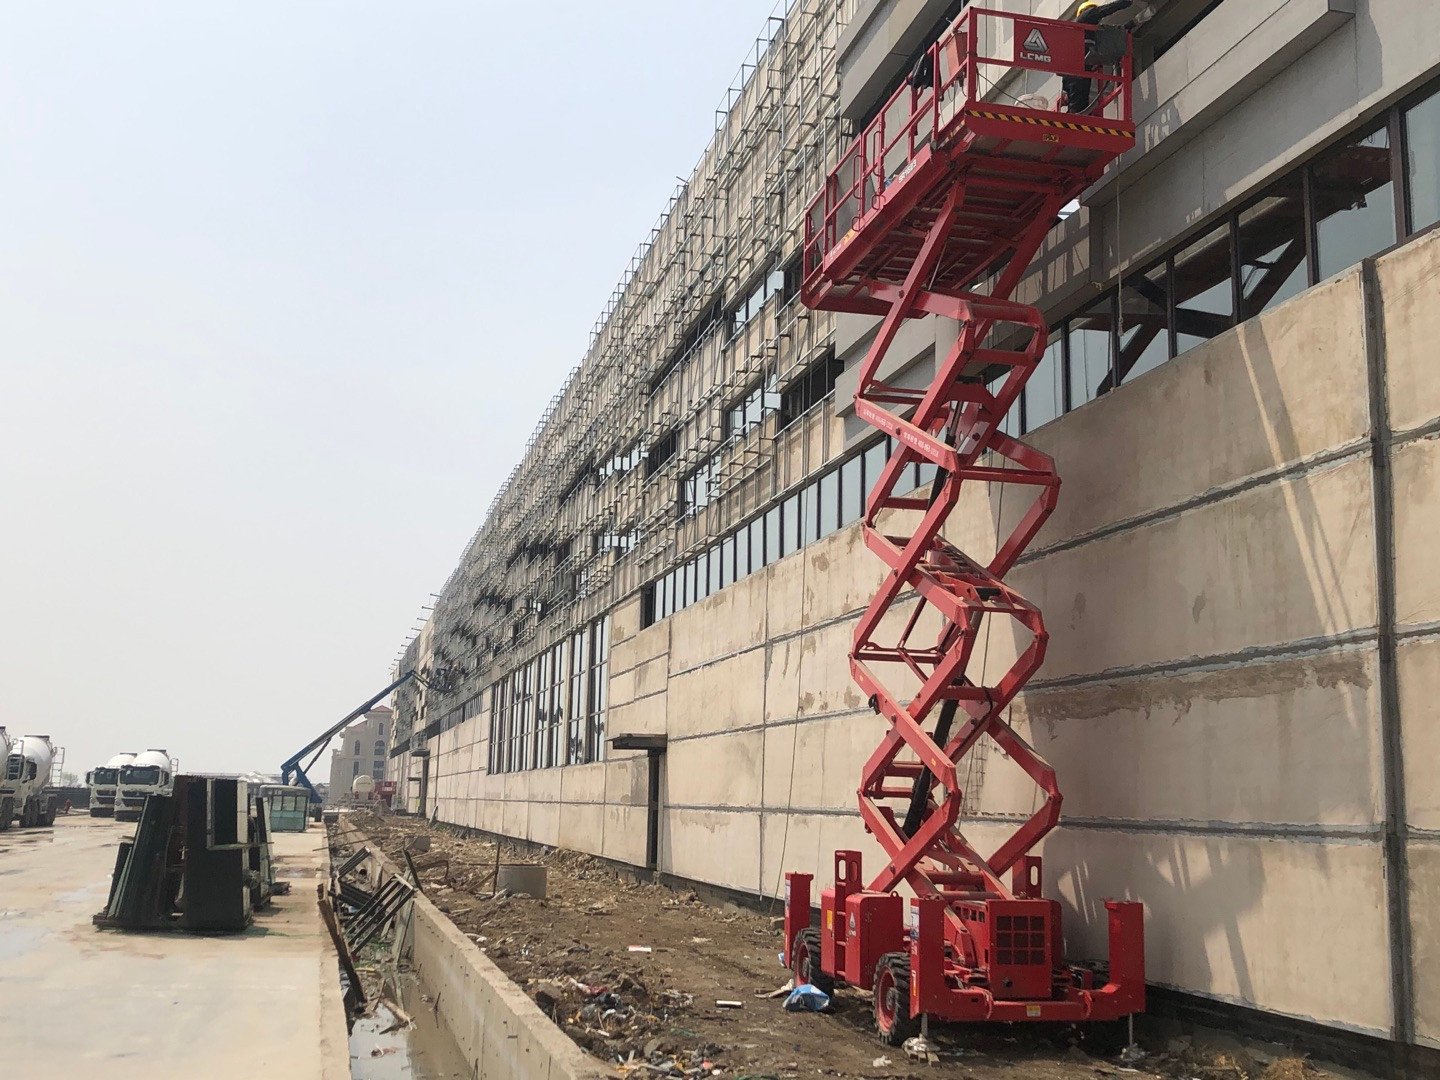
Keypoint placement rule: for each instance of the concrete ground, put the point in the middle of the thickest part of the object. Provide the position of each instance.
(76, 1000)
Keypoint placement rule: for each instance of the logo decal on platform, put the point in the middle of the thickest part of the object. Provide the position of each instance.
(1036, 47)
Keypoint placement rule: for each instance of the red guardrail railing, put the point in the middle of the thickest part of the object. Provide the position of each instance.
(953, 80)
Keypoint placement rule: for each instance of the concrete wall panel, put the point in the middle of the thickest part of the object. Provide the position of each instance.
(1418, 664)
(1276, 564)
(582, 827)
(624, 834)
(718, 697)
(731, 620)
(644, 717)
(782, 679)
(825, 683)
(1229, 916)
(716, 771)
(718, 847)
(785, 595)
(1425, 916)
(650, 642)
(1259, 742)
(1412, 328)
(1283, 388)
(584, 783)
(1416, 469)
(840, 576)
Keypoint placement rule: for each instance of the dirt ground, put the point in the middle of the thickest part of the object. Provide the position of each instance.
(634, 973)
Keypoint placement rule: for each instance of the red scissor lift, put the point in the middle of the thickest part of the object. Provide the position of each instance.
(944, 194)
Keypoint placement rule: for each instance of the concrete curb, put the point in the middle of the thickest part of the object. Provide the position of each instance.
(497, 1027)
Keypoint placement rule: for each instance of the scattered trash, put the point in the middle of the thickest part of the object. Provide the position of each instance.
(921, 1049)
(807, 998)
(699, 941)
(1132, 1054)
(640, 948)
(381, 1051)
(729, 1004)
(779, 992)
(880, 1062)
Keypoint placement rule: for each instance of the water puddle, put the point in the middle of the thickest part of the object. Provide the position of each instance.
(381, 1048)
(16, 940)
(98, 891)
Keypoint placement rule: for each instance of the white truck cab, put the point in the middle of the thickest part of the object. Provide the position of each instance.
(151, 773)
(103, 784)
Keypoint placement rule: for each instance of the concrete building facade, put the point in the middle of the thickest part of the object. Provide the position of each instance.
(1240, 585)
(362, 750)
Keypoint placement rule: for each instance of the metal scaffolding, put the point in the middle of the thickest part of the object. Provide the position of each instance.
(591, 512)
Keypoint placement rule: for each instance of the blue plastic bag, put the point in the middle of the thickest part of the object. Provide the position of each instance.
(806, 998)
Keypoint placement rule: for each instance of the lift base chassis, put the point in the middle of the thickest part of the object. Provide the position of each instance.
(1005, 963)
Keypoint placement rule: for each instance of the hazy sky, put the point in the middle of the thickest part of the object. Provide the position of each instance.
(283, 289)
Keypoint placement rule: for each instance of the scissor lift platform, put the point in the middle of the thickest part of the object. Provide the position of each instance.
(938, 208)
(883, 197)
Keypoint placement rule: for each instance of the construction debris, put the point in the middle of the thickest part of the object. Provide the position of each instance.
(638, 1011)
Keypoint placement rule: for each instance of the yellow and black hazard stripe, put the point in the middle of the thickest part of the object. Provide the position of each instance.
(1040, 121)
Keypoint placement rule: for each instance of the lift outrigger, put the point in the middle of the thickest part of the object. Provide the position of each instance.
(938, 209)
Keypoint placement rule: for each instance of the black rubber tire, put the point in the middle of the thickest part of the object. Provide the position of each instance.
(805, 961)
(891, 996)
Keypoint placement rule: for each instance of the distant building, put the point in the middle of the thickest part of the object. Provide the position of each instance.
(362, 752)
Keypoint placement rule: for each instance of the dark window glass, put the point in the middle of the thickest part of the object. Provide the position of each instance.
(1145, 322)
(579, 652)
(810, 513)
(599, 689)
(1091, 346)
(1422, 133)
(875, 459)
(1354, 202)
(742, 554)
(1044, 390)
(772, 535)
(852, 492)
(1273, 248)
(716, 582)
(1010, 422)
(809, 389)
(1204, 296)
(757, 544)
(829, 502)
(542, 710)
(663, 450)
(727, 561)
(790, 516)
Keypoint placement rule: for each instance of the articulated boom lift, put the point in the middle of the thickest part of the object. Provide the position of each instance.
(943, 192)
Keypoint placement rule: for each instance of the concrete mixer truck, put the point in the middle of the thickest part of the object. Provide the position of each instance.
(25, 782)
(151, 773)
(104, 782)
